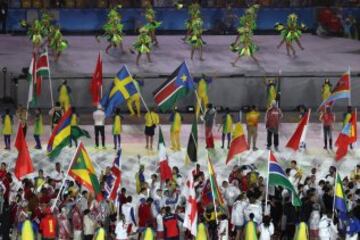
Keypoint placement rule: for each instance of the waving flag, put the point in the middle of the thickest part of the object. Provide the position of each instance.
(277, 177)
(96, 82)
(340, 200)
(341, 90)
(164, 168)
(42, 70)
(300, 133)
(112, 182)
(347, 136)
(191, 151)
(238, 142)
(120, 90)
(31, 78)
(83, 172)
(177, 86)
(191, 211)
(216, 194)
(23, 165)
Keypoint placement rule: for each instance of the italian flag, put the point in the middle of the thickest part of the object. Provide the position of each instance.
(238, 142)
(176, 87)
(164, 168)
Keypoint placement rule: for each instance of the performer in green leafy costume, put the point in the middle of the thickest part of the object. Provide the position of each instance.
(57, 43)
(290, 33)
(143, 43)
(113, 30)
(34, 31)
(151, 22)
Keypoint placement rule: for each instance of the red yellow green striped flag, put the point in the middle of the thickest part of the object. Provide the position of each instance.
(83, 172)
(217, 196)
(238, 142)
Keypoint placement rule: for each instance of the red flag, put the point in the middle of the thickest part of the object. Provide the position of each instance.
(238, 142)
(23, 165)
(300, 132)
(347, 136)
(191, 210)
(164, 168)
(96, 82)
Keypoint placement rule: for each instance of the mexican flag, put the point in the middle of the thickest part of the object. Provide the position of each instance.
(164, 168)
(176, 87)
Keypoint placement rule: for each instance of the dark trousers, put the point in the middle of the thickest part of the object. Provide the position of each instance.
(270, 136)
(73, 140)
(290, 231)
(228, 135)
(88, 237)
(99, 130)
(327, 136)
(37, 141)
(117, 141)
(7, 140)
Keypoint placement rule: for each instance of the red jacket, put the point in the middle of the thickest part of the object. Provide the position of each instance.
(273, 116)
(171, 228)
(145, 215)
(48, 226)
(327, 119)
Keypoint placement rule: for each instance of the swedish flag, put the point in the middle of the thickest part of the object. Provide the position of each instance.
(120, 90)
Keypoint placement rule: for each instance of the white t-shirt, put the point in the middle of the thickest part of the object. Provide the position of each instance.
(159, 223)
(266, 232)
(121, 230)
(99, 118)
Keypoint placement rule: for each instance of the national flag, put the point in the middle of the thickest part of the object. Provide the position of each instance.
(209, 138)
(120, 90)
(31, 76)
(191, 151)
(341, 90)
(206, 194)
(96, 82)
(177, 86)
(112, 181)
(42, 70)
(347, 136)
(83, 172)
(191, 211)
(23, 165)
(340, 199)
(164, 168)
(299, 135)
(238, 142)
(277, 177)
(217, 196)
(62, 133)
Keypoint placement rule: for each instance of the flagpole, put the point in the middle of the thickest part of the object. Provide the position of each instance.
(267, 182)
(66, 176)
(334, 196)
(349, 100)
(196, 94)
(50, 81)
(102, 78)
(212, 192)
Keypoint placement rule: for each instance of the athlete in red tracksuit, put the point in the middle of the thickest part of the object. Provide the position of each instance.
(171, 228)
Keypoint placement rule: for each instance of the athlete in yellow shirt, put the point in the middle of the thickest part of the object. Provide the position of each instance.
(151, 121)
(252, 120)
(227, 127)
(7, 129)
(175, 130)
(117, 129)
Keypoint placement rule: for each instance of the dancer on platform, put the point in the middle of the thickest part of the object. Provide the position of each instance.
(143, 44)
(7, 128)
(135, 99)
(117, 129)
(193, 12)
(151, 22)
(290, 33)
(38, 128)
(227, 128)
(34, 32)
(326, 89)
(194, 38)
(202, 93)
(175, 130)
(64, 95)
(57, 43)
(113, 30)
(151, 121)
(244, 44)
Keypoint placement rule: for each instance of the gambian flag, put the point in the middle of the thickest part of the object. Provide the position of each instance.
(277, 177)
(238, 142)
(176, 87)
(164, 168)
(62, 133)
(217, 196)
(83, 172)
(191, 152)
(341, 90)
(347, 136)
(300, 133)
(42, 70)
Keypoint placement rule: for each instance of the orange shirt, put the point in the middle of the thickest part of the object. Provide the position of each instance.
(48, 226)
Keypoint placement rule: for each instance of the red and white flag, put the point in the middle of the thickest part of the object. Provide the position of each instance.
(191, 210)
(300, 133)
(164, 168)
(113, 181)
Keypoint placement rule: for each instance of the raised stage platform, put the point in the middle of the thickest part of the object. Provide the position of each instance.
(301, 82)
